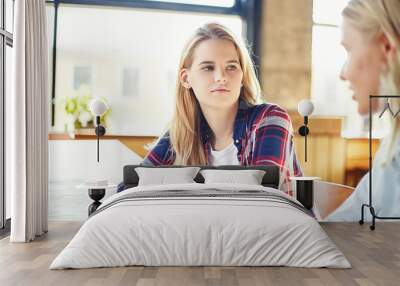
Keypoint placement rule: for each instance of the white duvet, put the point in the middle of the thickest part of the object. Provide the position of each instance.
(183, 231)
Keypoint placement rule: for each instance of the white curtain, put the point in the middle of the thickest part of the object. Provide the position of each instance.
(28, 123)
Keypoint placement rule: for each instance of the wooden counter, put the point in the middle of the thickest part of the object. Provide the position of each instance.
(331, 157)
(326, 152)
(135, 143)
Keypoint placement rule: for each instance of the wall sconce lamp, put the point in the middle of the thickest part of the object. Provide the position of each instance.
(98, 107)
(305, 108)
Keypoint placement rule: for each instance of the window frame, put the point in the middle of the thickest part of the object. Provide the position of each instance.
(250, 12)
(6, 39)
(323, 25)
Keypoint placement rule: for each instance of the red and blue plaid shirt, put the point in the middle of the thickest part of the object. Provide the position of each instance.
(262, 134)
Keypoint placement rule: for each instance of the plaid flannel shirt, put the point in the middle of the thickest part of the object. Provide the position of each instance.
(262, 134)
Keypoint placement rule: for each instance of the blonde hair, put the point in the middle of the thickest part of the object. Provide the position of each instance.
(372, 17)
(185, 126)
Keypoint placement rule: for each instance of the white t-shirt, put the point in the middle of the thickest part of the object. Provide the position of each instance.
(227, 156)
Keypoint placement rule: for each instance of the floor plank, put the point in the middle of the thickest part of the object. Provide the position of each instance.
(374, 255)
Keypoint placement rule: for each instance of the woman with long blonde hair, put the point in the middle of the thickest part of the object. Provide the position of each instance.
(218, 118)
(371, 37)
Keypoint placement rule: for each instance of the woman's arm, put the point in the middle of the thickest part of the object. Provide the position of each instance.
(273, 144)
(161, 154)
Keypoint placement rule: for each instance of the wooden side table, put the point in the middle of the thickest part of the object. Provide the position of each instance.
(96, 193)
(305, 190)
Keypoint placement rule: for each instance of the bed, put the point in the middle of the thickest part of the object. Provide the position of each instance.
(201, 224)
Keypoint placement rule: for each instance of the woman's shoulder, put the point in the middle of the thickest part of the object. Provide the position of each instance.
(269, 109)
(270, 113)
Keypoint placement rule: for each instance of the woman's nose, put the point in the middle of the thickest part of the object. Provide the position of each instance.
(220, 75)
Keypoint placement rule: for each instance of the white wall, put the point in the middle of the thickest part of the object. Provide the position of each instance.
(74, 160)
(71, 162)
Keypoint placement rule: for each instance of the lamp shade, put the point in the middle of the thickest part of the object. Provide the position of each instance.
(305, 107)
(97, 107)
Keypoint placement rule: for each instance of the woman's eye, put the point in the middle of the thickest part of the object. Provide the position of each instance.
(231, 67)
(208, 68)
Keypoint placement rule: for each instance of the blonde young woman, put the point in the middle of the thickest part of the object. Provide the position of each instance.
(217, 118)
(371, 37)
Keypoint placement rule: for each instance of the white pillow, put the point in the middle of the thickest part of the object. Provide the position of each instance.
(248, 177)
(164, 176)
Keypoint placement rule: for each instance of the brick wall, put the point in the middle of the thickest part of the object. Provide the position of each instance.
(286, 51)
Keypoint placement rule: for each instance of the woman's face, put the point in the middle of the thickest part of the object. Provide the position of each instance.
(364, 64)
(215, 74)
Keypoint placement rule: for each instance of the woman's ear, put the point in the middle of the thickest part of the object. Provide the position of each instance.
(388, 48)
(183, 76)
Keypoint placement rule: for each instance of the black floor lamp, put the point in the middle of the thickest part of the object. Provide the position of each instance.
(369, 205)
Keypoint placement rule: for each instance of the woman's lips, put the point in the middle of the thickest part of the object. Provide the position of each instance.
(220, 90)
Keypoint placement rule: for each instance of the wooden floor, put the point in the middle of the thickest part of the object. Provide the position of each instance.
(374, 255)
